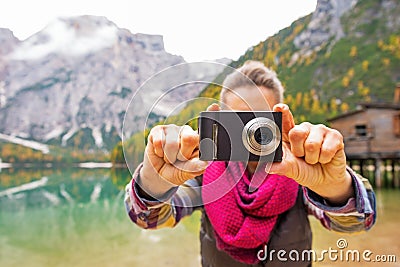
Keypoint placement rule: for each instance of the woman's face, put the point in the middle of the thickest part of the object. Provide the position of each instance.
(250, 99)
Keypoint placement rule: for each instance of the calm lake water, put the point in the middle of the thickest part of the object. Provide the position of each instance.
(77, 218)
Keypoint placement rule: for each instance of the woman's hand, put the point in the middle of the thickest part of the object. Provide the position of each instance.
(313, 156)
(171, 158)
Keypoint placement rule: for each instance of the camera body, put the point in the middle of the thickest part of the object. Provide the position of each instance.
(240, 136)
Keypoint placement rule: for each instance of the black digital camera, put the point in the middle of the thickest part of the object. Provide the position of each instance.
(240, 136)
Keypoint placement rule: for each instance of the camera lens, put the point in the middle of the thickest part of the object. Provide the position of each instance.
(263, 135)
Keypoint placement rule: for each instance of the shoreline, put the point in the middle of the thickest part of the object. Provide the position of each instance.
(5, 165)
(95, 165)
(49, 165)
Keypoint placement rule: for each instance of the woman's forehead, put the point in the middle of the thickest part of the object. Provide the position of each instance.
(244, 98)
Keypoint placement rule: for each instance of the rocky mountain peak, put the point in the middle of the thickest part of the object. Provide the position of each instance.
(7, 40)
(72, 36)
(87, 23)
(71, 82)
(325, 24)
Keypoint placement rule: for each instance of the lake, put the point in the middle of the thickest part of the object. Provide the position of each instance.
(76, 217)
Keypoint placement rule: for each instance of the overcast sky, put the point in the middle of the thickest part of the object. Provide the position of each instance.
(196, 30)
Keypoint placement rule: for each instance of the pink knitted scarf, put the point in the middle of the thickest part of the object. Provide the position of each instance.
(243, 220)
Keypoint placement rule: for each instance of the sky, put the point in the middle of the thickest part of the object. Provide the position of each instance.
(196, 30)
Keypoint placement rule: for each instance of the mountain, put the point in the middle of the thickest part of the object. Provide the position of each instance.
(70, 83)
(345, 52)
(8, 41)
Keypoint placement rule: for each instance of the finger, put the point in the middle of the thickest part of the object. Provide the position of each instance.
(181, 171)
(152, 161)
(189, 141)
(171, 146)
(297, 138)
(313, 144)
(189, 169)
(213, 107)
(195, 154)
(287, 120)
(157, 139)
(333, 142)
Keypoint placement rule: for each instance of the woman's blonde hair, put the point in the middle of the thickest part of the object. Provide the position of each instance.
(250, 74)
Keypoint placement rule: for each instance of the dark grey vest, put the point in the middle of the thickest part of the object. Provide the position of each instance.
(292, 232)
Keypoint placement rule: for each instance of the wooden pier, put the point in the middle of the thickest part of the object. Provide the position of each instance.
(380, 172)
(372, 140)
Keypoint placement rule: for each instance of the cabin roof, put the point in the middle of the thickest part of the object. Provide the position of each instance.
(364, 106)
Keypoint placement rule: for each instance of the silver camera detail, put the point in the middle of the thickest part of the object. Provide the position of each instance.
(261, 136)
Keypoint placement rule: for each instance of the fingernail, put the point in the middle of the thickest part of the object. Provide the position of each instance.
(215, 105)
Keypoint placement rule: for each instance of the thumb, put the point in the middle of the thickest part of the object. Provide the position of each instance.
(287, 120)
(195, 165)
(286, 167)
(189, 169)
(213, 107)
(280, 168)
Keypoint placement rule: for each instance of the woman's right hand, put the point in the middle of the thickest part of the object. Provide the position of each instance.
(171, 157)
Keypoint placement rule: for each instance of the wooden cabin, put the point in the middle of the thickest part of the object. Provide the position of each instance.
(371, 132)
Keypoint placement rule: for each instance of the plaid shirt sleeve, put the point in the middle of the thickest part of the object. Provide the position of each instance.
(358, 214)
(166, 211)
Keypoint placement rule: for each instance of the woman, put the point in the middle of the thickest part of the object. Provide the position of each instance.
(240, 224)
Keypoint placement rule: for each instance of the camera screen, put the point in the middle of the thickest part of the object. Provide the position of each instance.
(263, 135)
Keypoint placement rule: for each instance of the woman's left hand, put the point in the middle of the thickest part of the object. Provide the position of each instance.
(313, 156)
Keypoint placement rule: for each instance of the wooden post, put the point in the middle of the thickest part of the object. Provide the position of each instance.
(378, 174)
(393, 182)
(396, 173)
(351, 164)
(371, 175)
(362, 167)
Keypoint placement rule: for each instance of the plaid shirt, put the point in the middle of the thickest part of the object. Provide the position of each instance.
(358, 214)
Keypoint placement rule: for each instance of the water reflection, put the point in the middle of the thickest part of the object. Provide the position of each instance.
(22, 189)
(382, 239)
(76, 217)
